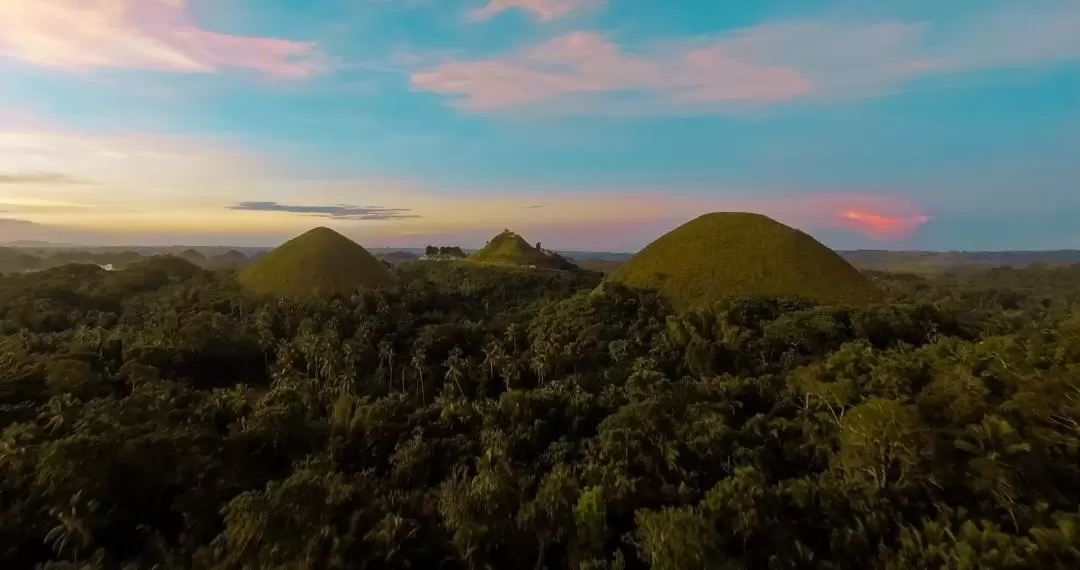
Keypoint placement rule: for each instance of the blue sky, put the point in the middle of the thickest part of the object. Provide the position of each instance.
(586, 124)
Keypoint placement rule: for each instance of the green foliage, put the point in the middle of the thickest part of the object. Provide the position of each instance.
(677, 539)
(444, 253)
(320, 263)
(484, 416)
(509, 248)
(730, 255)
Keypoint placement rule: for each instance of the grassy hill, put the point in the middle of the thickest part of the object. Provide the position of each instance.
(509, 248)
(319, 263)
(725, 255)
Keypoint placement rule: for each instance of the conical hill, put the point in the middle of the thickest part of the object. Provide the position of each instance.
(320, 263)
(734, 254)
(509, 248)
(229, 259)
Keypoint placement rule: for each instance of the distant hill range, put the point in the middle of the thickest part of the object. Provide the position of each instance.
(919, 262)
(924, 262)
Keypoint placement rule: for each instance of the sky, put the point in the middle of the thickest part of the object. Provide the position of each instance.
(585, 124)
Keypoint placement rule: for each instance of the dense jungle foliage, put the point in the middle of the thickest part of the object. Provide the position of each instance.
(492, 417)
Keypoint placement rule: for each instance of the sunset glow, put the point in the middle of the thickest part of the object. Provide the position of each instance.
(586, 124)
(883, 226)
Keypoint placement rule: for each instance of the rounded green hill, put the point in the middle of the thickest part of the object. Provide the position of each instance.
(735, 254)
(509, 248)
(320, 263)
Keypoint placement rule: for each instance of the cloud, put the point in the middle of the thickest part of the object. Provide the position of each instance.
(543, 10)
(156, 35)
(585, 63)
(338, 212)
(881, 225)
(879, 216)
(765, 64)
(38, 178)
(537, 206)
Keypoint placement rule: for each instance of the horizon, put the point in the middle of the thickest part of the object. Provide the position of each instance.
(588, 125)
(30, 244)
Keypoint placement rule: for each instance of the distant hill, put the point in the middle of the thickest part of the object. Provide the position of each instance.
(509, 248)
(396, 257)
(227, 260)
(730, 254)
(26, 243)
(931, 262)
(319, 263)
(193, 257)
(599, 265)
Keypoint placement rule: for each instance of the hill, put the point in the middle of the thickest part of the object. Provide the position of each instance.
(509, 248)
(724, 255)
(229, 259)
(319, 263)
(193, 256)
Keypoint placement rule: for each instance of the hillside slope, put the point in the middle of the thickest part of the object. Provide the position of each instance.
(509, 248)
(724, 255)
(319, 263)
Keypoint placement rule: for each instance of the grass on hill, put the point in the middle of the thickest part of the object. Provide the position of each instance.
(509, 248)
(320, 263)
(732, 254)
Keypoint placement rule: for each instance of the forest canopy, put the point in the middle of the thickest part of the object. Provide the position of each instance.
(483, 416)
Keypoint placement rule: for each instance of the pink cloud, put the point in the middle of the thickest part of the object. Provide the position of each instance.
(544, 10)
(880, 216)
(882, 225)
(768, 63)
(155, 35)
(588, 63)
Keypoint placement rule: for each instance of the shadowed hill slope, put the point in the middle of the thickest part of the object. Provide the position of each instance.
(725, 255)
(319, 263)
(509, 248)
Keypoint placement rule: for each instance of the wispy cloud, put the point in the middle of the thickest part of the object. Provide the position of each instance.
(154, 35)
(338, 212)
(588, 63)
(39, 178)
(770, 63)
(543, 10)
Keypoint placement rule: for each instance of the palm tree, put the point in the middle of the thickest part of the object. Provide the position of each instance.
(59, 410)
(72, 532)
(456, 368)
(418, 359)
(494, 356)
(386, 355)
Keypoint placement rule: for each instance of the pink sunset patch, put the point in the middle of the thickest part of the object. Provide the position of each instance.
(880, 225)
